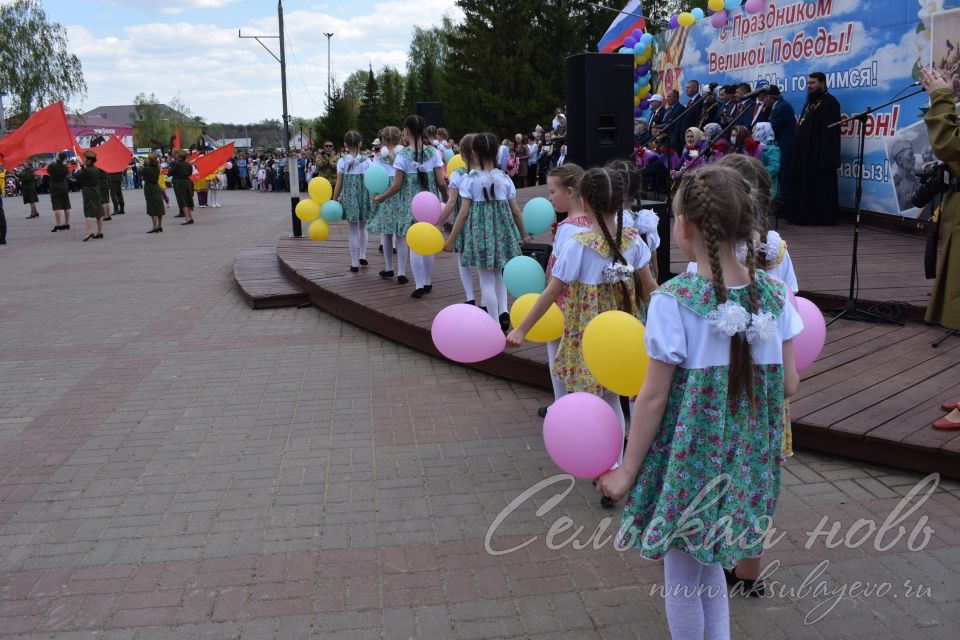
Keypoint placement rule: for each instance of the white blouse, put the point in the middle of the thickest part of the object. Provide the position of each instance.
(353, 165)
(783, 272)
(645, 221)
(678, 336)
(499, 186)
(408, 165)
(578, 263)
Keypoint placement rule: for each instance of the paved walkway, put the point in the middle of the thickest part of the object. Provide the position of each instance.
(175, 465)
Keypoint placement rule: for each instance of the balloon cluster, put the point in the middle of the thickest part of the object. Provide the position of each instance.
(641, 46)
(720, 13)
(319, 210)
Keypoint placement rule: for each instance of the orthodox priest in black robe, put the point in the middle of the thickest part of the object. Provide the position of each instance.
(816, 157)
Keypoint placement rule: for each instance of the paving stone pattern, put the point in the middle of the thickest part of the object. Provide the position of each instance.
(176, 465)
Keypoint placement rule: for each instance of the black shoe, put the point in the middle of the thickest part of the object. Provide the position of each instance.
(154, 231)
(99, 236)
(471, 302)
(505, 321)
(750, 588)
(55, 229)
(417, 293)
(65, 227)
(394, 252)
(402, 280)
(89, 237)
(108, 219)
(380, 249)
(386, 274)
(542, 411)
(187, 222)
(363, 262)
(427, 288)
(179, 215)
(607, 502)
(354, 269)
(33, 216)
(159, 229)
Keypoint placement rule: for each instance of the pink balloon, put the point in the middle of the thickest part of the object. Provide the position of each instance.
(229, 165)
(809, 344)
(465, 333)
(426, 207)
(719, 19)
(582, 435)
(753, 6)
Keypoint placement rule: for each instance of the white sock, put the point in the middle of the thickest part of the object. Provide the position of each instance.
(690, 598)
(387, 242)
(502, 293)
(402, 251)
(364, 239)
(354, 242)
(466, 279)
(559, 388)
(488, 290)
(422, 269)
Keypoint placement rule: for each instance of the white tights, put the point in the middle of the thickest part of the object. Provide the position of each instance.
(401, 244)
(559, 388)
(422, 269)
(466, 279)
(696, 598)
(493, 291)
(358, 242)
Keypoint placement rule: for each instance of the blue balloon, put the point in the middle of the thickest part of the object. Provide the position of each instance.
(447, 154)
(524, 275)
(697, 13)
(538, 215)
(638, 49)
(331, 211)
(376, 180)
(646, 39)
(732, 4)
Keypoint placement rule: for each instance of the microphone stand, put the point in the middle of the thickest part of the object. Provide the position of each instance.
(850, 307)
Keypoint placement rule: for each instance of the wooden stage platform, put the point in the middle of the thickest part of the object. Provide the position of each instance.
(872, 394)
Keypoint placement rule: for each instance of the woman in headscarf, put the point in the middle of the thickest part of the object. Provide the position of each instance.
(693, 152)
(152, 193)
(711, 132)
(770, 154)
(741, 141)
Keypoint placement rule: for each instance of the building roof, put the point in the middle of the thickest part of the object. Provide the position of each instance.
(127, 113)
(95, 122)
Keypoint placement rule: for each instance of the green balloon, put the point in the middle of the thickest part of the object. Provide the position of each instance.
(376, 180)
(331, 211)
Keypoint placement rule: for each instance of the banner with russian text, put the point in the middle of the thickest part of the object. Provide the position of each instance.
(870, 50)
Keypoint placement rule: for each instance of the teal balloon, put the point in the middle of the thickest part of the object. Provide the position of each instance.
(697, 13)
(638, 48)
(626, 50)
(646, 39)
(376, 180)
(538, 215)
(524, 275)
(447, 154)
(331, 211)
(732, 4)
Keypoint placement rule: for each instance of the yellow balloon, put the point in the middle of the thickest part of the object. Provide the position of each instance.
(615, 353)
(644, 91)
(456, 162)
(716, 5)
(425, 239)
(307, 210)
(319, 230)
(548, 327)
(320, 190)
(636, 100)
(686, 19)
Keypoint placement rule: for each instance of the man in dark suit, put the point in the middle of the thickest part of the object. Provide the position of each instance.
(744, 111)
(674, 114)
(783, 119)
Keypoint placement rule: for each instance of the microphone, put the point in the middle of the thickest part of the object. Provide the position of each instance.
(757, 92)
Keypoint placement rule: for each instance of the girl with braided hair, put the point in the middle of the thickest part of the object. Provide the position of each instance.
(489, 227)
(702, 466)
(644, 221)
(419, 167)
(603, 268)
(386, 217)
(353, 195)
(454, 202)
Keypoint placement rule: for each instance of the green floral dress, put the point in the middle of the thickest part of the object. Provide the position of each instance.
(356, 201)
(489, 237)
(385, 217)
(728, 453)
(587, 297)
(411, 164)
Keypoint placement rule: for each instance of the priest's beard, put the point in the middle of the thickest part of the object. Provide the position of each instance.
(813, 96)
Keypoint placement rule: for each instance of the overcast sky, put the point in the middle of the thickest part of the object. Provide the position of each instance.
(190, 48)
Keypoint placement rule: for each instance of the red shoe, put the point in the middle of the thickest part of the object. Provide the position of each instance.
(946, 425)
(949, 406)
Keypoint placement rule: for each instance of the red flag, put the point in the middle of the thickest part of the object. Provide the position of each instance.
(45, 131)
(113, 156)
(176, 139)
(207, 164)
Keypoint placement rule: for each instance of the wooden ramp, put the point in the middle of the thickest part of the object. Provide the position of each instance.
(262, 284)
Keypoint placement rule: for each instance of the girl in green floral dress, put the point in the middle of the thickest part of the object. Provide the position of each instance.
(419, 167)
(386, 217)
(354, 197)
(489, 226)
(453, 205)
(702, 466)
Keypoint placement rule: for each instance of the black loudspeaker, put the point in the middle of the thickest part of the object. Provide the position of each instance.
(599, 108)
(432, 112)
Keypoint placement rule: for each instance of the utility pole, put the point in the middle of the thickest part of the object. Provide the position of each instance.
(329, 35)
(291, 159)
(3, 126)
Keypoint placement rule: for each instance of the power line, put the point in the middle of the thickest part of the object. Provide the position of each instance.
(296, 63)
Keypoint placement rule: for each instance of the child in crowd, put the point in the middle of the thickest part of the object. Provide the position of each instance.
(644, 221)
(213, 190)
(386, 218)
(419, 168)
(708, 424)
(353, 195)
(603, 268)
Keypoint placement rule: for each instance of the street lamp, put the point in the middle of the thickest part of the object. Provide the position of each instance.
(329, 35)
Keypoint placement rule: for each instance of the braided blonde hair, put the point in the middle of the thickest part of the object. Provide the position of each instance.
(717, 201)
(753, 171)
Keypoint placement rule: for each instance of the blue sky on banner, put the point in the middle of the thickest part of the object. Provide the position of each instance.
(190, 48)
(869, 50)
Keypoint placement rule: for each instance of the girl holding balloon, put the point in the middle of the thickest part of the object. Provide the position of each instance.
(419, 167)
(708, 424)
(351, 193)
(454, 202)
(600, 268)
(386, 218)
(489, 227)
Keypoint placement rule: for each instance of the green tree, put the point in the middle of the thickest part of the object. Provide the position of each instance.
(153, 127)
(368, 120)
(37, 67)
(658, 13)
(411, 94)
(426, 60)
(353, 88)
(391, 91)
(338, 120)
